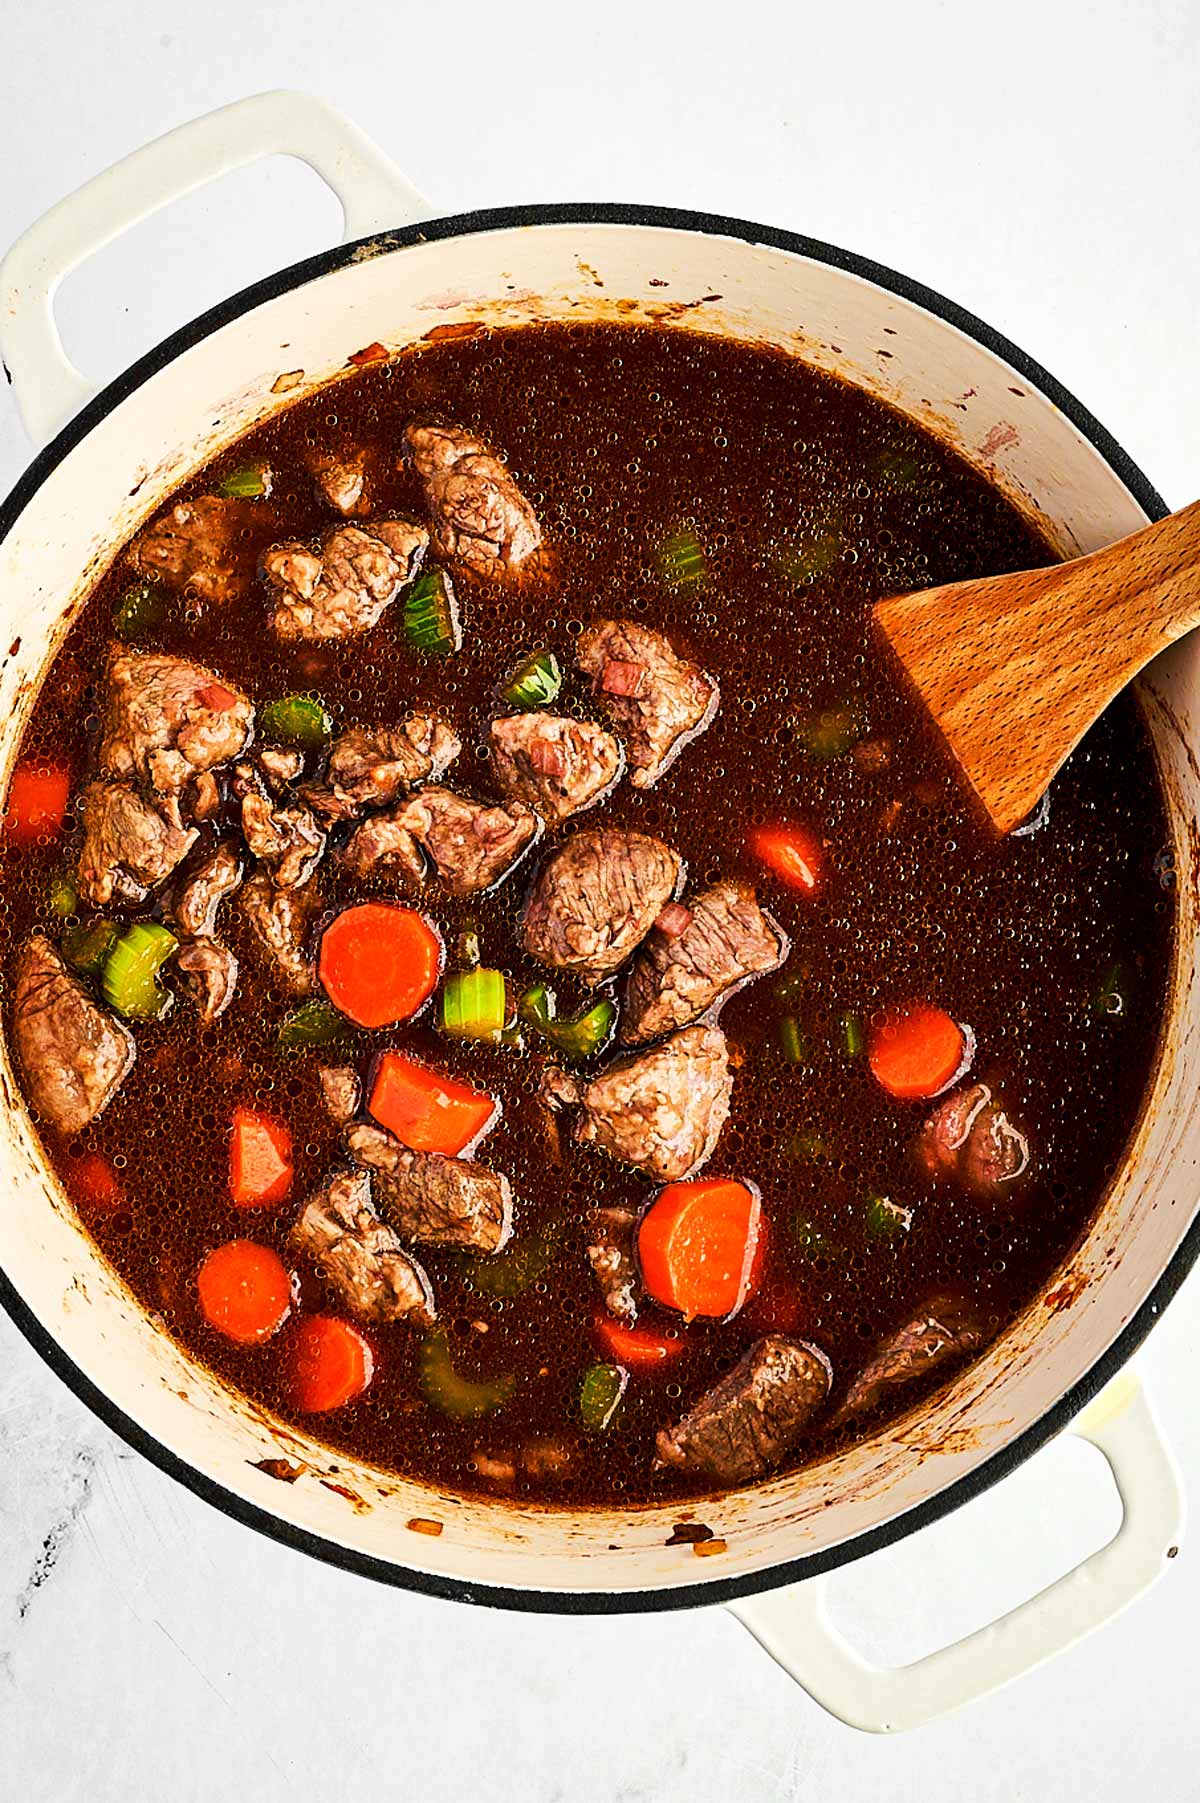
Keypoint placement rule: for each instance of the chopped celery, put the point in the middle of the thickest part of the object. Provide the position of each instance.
(791, 1040)
(854, 1038)
(141, 610)
(887, 1220)
(311, 1024)
(600, 1396)
(809, 1238)
(1111, 997)
(62, 894)
(249, 482)
(452, 1395)
(897, 467)
(575, 1038)
(431, 622)
(474, 1004)
(86, 946)
(680, 560)
(129, 978)
(295, 720)
(536, 683)
(511, 1272)
(806, 563)
(809, 1148)
(832, 734)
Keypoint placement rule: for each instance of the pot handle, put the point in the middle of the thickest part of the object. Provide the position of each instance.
(374, 197)
(795, 1629)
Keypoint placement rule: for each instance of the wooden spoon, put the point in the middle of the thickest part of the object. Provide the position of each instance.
(1014, 669)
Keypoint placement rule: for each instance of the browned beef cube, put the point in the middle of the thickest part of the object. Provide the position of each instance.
(480, 517)
(202, 890)
(559, 766)
(595, 899)
(344, 588)
(203, 546)
(339, 475)
(660, 702)
(970, 1140)
(286, 839)
(359, 1256)
(74, 1055)
(128, 845)
(210, 971)
(698, 955)
(341, 1092)
(167, 720)
(662, 1110)
(432, 1200)
(278, 766)
(470, 844)
(747, 1423)
(279, 921)
(947, 1329)
(610, 1254)
(372, 766)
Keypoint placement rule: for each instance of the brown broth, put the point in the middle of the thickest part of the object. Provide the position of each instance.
(619, 435)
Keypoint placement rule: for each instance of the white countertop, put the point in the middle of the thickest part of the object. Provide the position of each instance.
(1039, 163)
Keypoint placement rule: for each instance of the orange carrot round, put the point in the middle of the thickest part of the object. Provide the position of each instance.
(245, 1291)
(638, 1347)
(915, 1052)
(329, 1364)
(379, 962)
(791, 853)
(260, 1160)
(696, 1245)
(37, 801)
(426, 1111)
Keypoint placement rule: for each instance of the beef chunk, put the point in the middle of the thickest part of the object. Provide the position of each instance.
(470, 844)
(480, 517)
(698, 955)
(371, 767)
(203, 546)
(279, 920)
(663, 1110)
(659, 701)
(752, 1418)
(946, 1329)
(128, 846)
(341, 1092)
(286, 839)
(432, 1200)
(344, 588)
(278, 766)
(339, 475)
(596, 898)
(202, 891)
(74, 1055)
(558, 766)
(359, 1255)
(610, 1254)
(210, 972)
(969, 1139)
(166, 720)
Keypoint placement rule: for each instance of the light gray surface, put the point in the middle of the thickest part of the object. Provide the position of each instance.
(1040, 164)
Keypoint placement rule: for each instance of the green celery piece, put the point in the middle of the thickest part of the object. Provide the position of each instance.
(86, 946)
(791, 1040)
(536, 683)
(474, 1004)
(600, 1396)
(141, 611)
(312, 1024)
(854, 1038)
(833, 734)
(248, 482)
(809, 1238)
(129, 977)
(1112, 994)
(577, 1038)
(511, 1272)
(430, 615)
(452, 1395)
(300, 720)
(62, 894)
(680, 560)
(897, 467)
(888, 1220)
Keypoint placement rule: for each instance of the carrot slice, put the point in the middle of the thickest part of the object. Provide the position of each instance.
(260, 1160)
(37, 801)
(329, 1363)
(425, 1110)
(379, 962)
(917, 1051)
(791, 853)
(245, 1291)
(94, 1180)
(637, 1347)
(696, 1245)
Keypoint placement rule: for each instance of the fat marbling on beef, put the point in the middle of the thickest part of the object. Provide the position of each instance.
(970, 1139)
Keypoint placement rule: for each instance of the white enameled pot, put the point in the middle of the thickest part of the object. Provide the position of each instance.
(108, 463)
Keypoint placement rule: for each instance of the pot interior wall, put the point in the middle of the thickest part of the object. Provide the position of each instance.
(88, 503)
